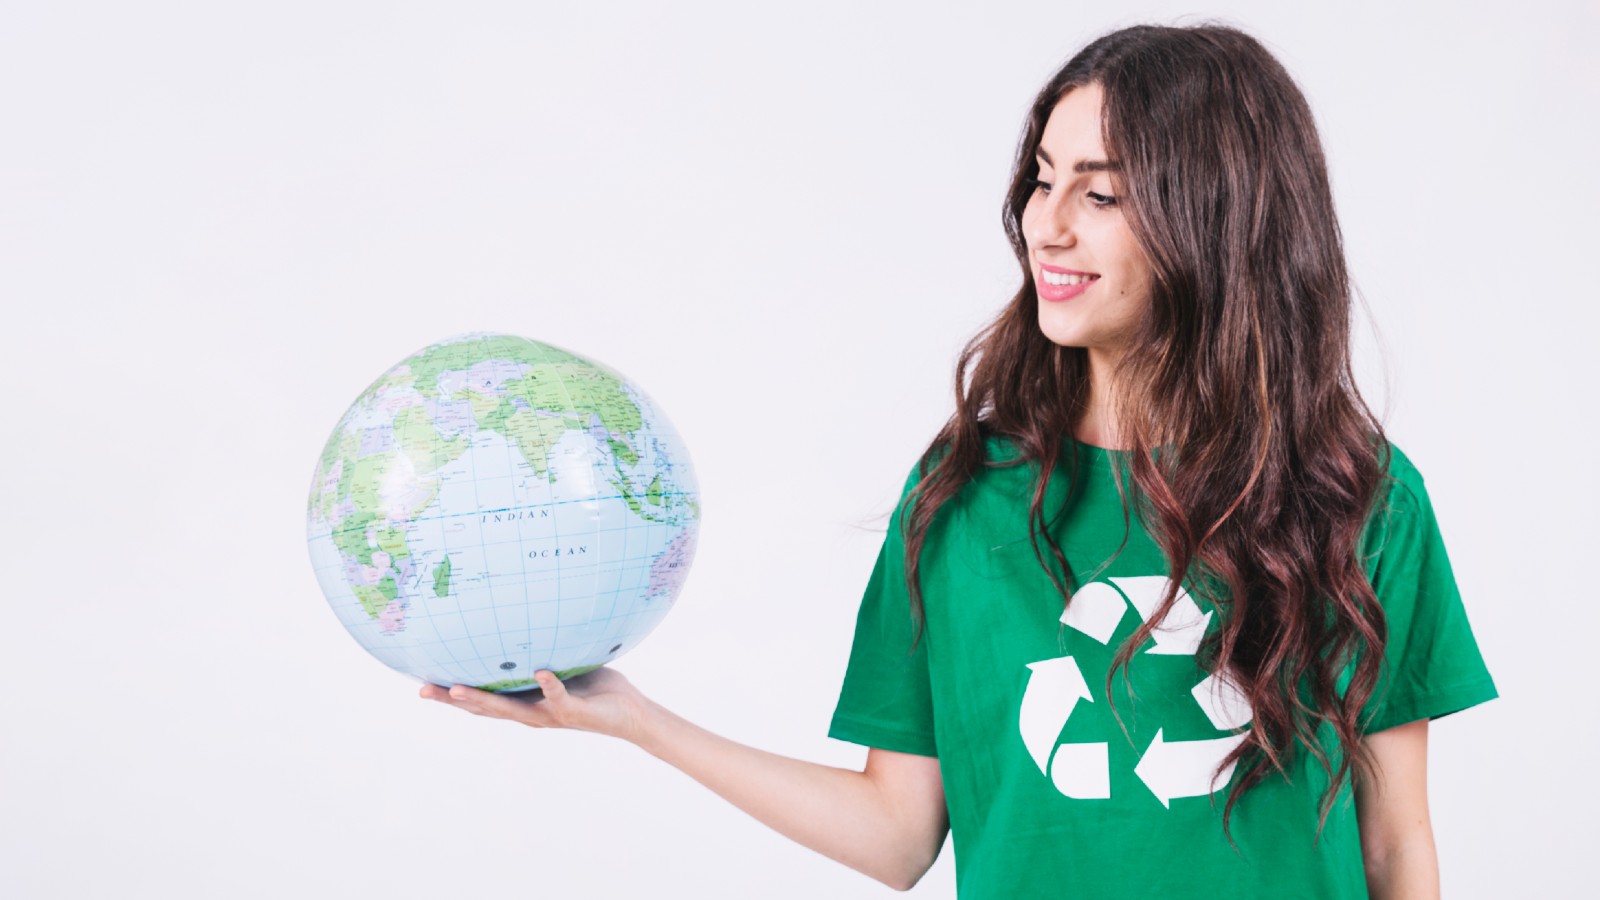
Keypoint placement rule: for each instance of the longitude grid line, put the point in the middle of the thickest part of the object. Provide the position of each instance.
(654, 527)
(599, 516)
(647, 559)
(402, 654)
(455, 662)
(562, 382)
(409, 651)
(611, 609)
(627, 634)
(656, 458)
(642, 585)
(535, 352)
(413, 652)
(552, 504)
(522, 559)
(662, 462)
(628, 529)
(413, 649)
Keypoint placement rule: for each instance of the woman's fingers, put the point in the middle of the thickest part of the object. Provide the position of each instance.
(488, 703)
(437, 692)
(549, 707)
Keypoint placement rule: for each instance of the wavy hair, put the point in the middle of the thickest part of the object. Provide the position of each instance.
(1254, 460)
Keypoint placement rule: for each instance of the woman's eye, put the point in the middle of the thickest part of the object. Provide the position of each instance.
(1099, 200)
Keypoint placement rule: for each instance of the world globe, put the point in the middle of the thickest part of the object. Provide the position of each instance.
(493, 505)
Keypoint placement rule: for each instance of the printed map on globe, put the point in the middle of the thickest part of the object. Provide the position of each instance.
(493, 505)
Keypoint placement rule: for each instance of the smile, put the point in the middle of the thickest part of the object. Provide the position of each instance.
(1063, 278)
(1056, 285)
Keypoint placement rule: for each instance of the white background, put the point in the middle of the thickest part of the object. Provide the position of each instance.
(220, 221)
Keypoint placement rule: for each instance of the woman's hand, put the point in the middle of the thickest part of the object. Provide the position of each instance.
(602, 701)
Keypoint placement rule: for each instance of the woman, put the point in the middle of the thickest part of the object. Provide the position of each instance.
(1161, 612)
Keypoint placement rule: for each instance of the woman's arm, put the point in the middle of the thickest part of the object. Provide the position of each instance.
(1392, 812)
(888, 822)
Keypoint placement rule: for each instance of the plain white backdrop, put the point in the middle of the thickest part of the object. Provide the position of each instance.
(219, 222)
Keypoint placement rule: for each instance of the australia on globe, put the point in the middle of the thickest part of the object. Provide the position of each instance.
(493, 505)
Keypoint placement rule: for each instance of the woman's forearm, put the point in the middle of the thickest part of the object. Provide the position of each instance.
(842, 814)
(1407, 871)
(1392, 811)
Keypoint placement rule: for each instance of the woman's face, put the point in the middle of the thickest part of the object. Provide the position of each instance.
(1075, 232)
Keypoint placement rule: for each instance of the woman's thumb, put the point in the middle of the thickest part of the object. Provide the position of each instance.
(552, 686)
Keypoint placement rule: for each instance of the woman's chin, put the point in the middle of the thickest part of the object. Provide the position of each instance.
(1063, 336)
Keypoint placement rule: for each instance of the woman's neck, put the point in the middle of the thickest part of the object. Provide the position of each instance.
(1097, 425)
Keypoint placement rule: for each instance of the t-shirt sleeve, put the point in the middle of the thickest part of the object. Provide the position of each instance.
(886, 699)
(1432, 663)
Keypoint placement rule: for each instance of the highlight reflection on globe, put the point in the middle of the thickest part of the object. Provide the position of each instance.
(493, 505)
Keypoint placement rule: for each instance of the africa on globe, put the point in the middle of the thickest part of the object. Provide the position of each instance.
(493, 505)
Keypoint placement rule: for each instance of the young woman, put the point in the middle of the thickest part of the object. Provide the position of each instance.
(1162, 612)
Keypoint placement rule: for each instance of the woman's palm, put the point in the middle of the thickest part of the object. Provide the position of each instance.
(603, 701)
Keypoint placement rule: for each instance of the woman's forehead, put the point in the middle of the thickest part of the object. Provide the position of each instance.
(1072, 132)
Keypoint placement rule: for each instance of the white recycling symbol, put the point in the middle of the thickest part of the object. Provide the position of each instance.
(1170, 769)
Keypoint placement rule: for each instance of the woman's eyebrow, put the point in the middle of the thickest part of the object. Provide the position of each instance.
(1083, 166)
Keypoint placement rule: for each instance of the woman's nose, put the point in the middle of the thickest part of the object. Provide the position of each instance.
(1053, 225)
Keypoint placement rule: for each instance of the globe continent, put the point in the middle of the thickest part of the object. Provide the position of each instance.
(493, 505)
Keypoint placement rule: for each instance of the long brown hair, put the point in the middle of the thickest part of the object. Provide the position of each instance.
(1254, 460)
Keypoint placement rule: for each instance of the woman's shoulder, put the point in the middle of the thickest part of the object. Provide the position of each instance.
(1403, 510)
(998, 449)
(1002, 463)
(1403, 486)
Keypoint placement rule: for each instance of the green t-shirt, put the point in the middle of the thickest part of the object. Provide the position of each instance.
(1046, 796)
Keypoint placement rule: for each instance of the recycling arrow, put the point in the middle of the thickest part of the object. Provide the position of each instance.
(1183, 768)
(1223, 702)
(1054, 687)
(1181, 629)
(1082, 771)
(1095, 610)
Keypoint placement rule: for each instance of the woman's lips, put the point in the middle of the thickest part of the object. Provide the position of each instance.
(1056, 293)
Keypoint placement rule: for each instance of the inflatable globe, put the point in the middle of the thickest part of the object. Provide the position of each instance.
(493, 505)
